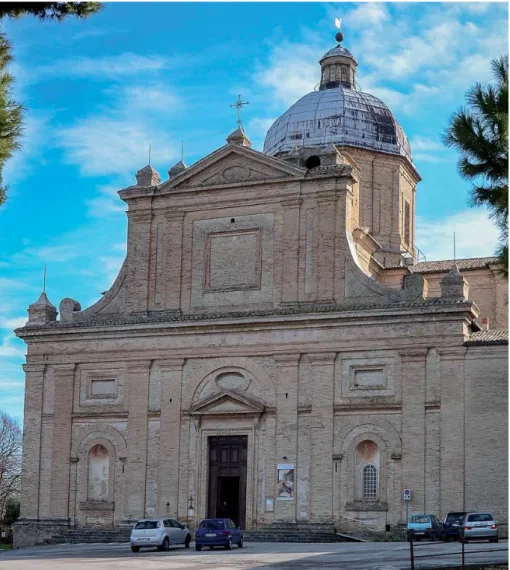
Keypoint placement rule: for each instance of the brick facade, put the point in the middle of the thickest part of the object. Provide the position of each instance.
(242, 309)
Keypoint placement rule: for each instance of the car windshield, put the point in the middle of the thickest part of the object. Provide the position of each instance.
(480, 517)
(144, 525)
(212, 525)
(455, 517)
(419, 519)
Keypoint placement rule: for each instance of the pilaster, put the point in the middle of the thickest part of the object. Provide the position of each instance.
(138, 373)
(291, 213)
(286, 427)
(321, 436)
(413, 366)
(138, 255)
(173, 259)
(61, 452)
(326, 255)
(452, 429)
(168, 485)
(34, 382)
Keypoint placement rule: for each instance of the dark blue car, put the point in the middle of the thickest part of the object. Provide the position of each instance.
(218, 532)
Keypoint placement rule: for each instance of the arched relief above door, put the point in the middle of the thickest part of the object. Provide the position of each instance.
(242, 375)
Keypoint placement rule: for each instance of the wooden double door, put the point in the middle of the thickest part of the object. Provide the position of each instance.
(227, 478)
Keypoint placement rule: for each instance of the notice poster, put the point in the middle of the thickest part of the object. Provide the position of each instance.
(285, 490)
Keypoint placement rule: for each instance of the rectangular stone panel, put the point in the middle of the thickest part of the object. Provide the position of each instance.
(106, 387)
(366, 378)
(233, 261)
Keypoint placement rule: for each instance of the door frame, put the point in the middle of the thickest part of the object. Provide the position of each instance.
(210, 427)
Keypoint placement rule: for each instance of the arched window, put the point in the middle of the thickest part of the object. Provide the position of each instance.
(345, 76)
(367, 471)
(369, 483)
(99, 471)
(332, 73)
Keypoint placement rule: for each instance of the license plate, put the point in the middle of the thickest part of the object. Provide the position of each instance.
(144, 539)
(211, 535)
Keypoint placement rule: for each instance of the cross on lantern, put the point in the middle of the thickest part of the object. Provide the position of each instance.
(238, 104)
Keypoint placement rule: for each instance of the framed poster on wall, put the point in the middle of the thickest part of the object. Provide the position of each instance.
(285, 488)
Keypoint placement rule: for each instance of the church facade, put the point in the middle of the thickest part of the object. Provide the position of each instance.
(273, 349)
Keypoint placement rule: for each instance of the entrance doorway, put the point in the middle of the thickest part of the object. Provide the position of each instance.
(227, 478)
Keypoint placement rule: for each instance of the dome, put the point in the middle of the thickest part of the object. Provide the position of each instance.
(341, 116)
(338, 113)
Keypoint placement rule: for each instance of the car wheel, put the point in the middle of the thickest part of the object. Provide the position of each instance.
(228, 546)
(198, 547)
(433, 537)
(135, 548)
(187, 541)
(240, 545)
(493, 539)
(166, 544)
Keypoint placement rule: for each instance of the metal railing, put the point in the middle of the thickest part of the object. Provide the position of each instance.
(413, 557)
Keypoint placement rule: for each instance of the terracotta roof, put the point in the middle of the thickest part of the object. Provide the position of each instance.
(487, 337)
(446, 265)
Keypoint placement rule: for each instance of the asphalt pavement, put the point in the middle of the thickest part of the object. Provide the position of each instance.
(264, 556)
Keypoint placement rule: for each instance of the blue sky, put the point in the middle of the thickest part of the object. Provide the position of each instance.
(98, 92)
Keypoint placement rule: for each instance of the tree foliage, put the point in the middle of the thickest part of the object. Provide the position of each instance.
(12, 511)
(11, 438)
(479, 132)
(49, 10)
(11, 112)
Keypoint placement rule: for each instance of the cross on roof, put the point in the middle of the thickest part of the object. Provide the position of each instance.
(238, 104)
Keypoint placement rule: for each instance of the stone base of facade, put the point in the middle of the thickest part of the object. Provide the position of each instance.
(30, 532)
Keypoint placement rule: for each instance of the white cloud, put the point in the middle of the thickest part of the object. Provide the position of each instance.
(13, 323)
(116, 140)
(475, 235)
(51, 253)
(111, 67)
(368, 14)
(8, 350)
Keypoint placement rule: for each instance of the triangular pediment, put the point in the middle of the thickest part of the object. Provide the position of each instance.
(232, 164)
(228, 402)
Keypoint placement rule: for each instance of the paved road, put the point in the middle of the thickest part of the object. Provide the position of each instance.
(264, 556)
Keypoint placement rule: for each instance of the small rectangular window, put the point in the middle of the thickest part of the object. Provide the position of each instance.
(103, 387)
(407, 222)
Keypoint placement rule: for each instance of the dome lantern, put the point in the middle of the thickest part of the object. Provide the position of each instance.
(338, 67)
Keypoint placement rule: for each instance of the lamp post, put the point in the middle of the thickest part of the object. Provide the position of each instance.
(191, 510)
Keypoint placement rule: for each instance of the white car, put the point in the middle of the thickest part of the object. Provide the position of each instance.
(160, 532)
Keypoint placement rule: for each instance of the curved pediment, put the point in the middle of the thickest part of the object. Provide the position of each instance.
(228, 402)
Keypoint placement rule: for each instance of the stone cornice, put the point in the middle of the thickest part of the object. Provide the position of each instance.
(135, 366)
(64, 370)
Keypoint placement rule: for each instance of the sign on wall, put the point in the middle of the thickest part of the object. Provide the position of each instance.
(285, 488)
(407, 494)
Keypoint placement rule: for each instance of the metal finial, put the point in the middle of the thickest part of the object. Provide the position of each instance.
(182, 151)
(339, 37)
(150, 150)
(44, 279)
(238, 104)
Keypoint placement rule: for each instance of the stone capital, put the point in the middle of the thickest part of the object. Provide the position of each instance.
(174, 215)
(322, 358)
(413, 354)
(64, 370)
(140, 215)
(291, 203)
(287, 359)
(33, 368)
(138, 366)
(327, 197)
(171, 364)
(452, 352)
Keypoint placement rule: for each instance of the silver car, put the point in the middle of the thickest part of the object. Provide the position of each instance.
(161, 532)
(479, 526)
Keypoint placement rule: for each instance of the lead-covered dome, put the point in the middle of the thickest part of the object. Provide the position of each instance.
(338, 113)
